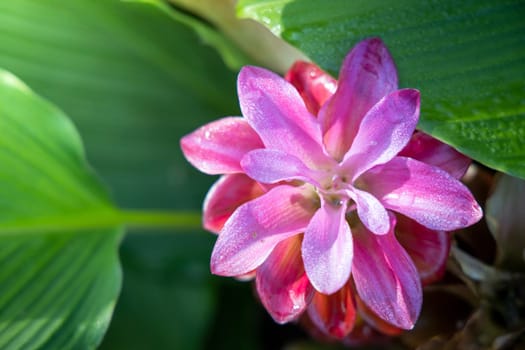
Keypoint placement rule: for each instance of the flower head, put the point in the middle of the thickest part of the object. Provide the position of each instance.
(326, 188)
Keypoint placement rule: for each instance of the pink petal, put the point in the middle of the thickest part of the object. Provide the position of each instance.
(428, 249)
(367, 75)
(333, 314)
(385, 277)
(429, 150)
(281, 282)
(314, 85)
(274, 108)
(217, 147)
(226, 195)
(271, 166)
(327, 249)
(371, 212)
(424, 193)
(256, 227)
(384, 131)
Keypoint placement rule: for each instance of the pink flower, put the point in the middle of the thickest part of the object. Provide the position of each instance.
(323, 180)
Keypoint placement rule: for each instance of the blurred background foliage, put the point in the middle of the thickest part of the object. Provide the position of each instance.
(134, 76)
(134, 79)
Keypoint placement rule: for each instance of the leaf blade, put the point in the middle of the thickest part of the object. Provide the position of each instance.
(467, 59)
(44, 175)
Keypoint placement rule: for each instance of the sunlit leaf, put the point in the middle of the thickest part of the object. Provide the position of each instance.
(134, 80)
(60, 275)
(467, 58)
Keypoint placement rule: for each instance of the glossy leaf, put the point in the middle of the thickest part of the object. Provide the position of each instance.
(467, 58)
(60, 274)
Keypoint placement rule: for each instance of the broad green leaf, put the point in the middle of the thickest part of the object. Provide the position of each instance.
(134, 81)
(466, 57)
(58, 283)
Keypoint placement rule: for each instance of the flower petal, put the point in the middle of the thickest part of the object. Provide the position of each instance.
(386, 278)
(211, 149)
(282, 284)
(424, 193)
(314, 85)
(226, 195)
(333, 314)
(256, 227)
(367, 75)
(384, 131)
(371, 212)
(429, 150)
(428, 249)
(274, 108)
(327, 249)
(272, 166)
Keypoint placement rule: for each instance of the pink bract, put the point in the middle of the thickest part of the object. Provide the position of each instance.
(315, 173)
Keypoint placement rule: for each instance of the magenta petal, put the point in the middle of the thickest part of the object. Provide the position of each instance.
(281, 282)
(371, 212)
(256, 227)
(226, 195)
(271, 166)
(428, 249)
(333, 314)
(327, 249)
(384, 131)
(429, 150)
(385, 278)
(211, 150)
(424, 193)
(274, 108)
(314, 85)
(367, 75)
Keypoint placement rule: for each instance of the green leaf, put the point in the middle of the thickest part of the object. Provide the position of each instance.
(58, 284)
(467, 58)
(134, 81)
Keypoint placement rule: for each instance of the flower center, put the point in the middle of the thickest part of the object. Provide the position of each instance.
(335, 189)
